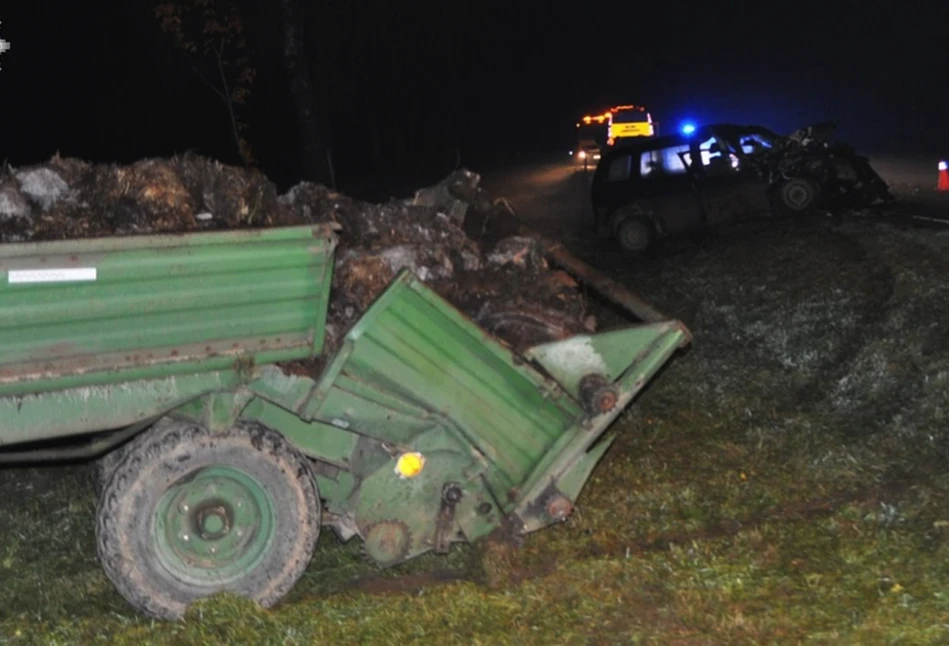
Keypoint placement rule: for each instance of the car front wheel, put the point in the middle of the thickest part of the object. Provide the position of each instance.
(797, 196)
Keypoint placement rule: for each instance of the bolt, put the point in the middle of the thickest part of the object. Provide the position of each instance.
(184, 507)
(240, 533)
(239, 503)
(452, 493)
(607, 400)
(185, 538)
(213, 550)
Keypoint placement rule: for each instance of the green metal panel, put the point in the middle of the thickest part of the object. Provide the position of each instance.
(413, 346)
(316, 439)
(608, 354)
(571, 461)
(216, 411)
(372, 409)
(416, 375)
(288, 391)
(571, 481)
(384, 496)
(234, 359)
(42, 416)
(148, 306)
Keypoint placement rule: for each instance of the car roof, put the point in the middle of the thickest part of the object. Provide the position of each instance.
(679, 139)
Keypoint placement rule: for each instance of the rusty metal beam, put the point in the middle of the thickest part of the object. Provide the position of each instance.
(600, 282)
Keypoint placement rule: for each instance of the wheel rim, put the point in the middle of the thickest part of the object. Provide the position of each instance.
(634, 236)
(213, 526)
(797, 195)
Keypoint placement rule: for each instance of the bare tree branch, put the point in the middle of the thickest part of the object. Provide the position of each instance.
(210, 85)
(219, 52)
(212, 36)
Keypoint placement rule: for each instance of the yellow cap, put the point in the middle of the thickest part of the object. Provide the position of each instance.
(409, 465)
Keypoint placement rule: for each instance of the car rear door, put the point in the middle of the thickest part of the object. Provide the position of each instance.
(727, 190)
(668, 189)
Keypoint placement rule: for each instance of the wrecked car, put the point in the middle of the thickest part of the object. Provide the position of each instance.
(723, 173)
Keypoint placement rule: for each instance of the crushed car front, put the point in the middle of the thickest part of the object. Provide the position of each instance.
(845, 178)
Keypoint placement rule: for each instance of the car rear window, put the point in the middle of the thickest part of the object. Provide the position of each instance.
(753, 143)
(664, 161)
(630, 116)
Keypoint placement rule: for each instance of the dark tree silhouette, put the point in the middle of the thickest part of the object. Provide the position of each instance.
(311, 105)
(211, 32)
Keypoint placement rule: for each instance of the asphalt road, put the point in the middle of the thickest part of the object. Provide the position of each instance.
(554, 197)
(912, 181)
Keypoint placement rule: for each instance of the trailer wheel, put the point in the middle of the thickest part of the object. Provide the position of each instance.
(189, 513)
(104, 466)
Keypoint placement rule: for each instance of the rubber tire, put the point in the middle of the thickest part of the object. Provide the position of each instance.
(787, 205)
(104, 466)
(166, 453)
(635, 234)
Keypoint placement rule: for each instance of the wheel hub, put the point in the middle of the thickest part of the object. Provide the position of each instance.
(634, 237)
(634, 234)
(387, 542)
(213, 525)
(797, 195)
(215, 522)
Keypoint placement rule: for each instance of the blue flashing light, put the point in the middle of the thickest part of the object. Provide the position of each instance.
(687, 128)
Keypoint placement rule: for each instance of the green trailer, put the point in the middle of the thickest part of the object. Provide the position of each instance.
(156, 356)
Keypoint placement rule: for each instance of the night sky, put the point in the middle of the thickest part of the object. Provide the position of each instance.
(418, 83)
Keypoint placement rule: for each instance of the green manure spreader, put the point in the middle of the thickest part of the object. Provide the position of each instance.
(157, 355)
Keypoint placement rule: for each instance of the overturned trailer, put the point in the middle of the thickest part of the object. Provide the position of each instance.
(166, 357)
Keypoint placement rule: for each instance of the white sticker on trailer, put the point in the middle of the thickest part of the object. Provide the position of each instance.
(26, 276)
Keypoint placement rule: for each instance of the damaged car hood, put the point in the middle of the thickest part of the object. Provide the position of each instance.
(845, 177)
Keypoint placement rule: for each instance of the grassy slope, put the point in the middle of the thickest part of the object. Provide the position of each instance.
(783, 482)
